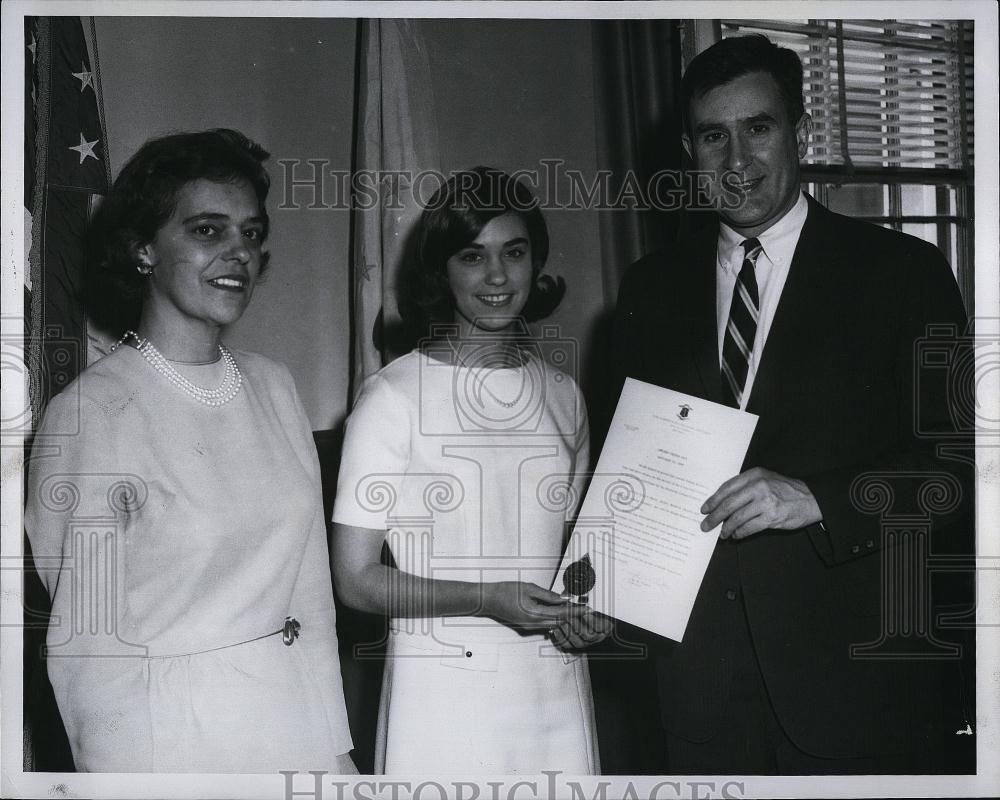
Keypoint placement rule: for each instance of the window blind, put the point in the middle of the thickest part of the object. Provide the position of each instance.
(882, 93)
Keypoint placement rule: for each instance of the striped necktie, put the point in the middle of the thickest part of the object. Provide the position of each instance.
(737, 344)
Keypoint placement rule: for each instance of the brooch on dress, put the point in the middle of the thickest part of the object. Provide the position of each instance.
(291, 631)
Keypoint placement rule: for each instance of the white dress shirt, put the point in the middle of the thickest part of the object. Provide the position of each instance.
(778, 246)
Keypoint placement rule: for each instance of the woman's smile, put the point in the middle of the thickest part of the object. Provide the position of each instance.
(496, 300)
(230, 283)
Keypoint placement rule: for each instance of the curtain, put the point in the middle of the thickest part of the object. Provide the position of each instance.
(395, 140)
(637, 68)
(636, 82)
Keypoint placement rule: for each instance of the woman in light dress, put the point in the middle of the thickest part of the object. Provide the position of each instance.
(174, 503)
(465, 455)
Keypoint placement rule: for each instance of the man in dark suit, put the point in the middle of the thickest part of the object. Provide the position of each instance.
(810, 320)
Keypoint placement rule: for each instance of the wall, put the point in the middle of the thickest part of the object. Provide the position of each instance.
(288, 84)
(508, 93)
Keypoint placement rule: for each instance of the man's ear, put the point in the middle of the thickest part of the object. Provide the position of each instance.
(803, 132)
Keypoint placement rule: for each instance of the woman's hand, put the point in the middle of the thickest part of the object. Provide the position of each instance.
(581, 630)
(524, 605)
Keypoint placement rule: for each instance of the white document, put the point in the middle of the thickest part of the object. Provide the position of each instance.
(637, 552)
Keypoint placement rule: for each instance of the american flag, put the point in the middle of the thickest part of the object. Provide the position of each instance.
(67, 170)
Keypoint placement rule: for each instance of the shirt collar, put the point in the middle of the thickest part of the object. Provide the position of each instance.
(777, 242)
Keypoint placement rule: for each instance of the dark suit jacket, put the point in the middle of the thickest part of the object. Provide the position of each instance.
(835, 393)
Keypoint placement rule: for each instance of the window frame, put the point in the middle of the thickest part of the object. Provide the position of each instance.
(821, 178)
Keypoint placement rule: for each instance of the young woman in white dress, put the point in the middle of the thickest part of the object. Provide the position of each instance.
(467, 456)
(174, 503)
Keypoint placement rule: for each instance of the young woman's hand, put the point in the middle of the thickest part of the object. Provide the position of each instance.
(578, 631)
(525, 605)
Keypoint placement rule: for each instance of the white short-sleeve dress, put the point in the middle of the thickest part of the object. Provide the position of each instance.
(472, 472)
(172, 538)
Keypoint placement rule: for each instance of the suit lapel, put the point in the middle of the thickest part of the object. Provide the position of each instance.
(787, 351)
(699, 313)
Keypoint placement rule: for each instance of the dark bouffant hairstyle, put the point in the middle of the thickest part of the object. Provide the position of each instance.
(451, 220)
(141, 201)
(732, 58)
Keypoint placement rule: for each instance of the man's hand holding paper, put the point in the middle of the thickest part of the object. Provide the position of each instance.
(759, 500)
(639, 527)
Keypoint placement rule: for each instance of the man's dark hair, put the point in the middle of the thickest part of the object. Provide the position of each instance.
(140, 202)
(732, 58)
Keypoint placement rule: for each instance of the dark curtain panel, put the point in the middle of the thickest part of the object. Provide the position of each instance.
(637, 68)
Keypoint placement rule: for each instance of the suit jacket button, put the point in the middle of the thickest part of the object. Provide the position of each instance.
(468, 654)
(869, 544)
(731, 594)
(856, 549)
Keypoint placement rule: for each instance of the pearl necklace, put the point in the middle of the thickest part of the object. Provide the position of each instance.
(482, 372)
(504, 403)
(219, 396)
